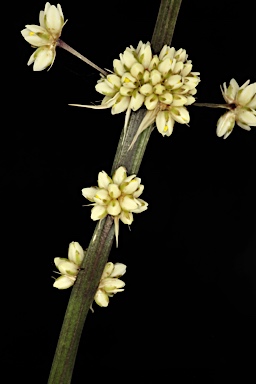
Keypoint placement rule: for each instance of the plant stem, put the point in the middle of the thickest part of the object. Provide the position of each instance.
(84, 289)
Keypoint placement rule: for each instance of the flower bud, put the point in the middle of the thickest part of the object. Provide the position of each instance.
(64, 282)
(180, 114)
(114, 191)
(119, 175)
(65, 266)
(114, 208)
(225, 124)
(75, 253)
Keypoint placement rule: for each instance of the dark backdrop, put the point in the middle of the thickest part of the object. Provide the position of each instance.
(189, 305)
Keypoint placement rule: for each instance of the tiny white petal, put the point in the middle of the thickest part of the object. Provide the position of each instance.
(89, 193)
(118, 270)
(121, 104)
(101, 298)
(98, 212)
(64, 282)
(108, 269)
(104, 180)
(128, 203)
(225, 124)
(119, 175)
(75, 253)
(126, 217)
(114, 208)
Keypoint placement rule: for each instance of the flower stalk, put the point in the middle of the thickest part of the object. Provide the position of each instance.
(62, 44)
(87, 281)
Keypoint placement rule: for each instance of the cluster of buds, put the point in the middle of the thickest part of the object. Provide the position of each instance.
(117, 196)
(69, 267)
(241, 102)
(45, 36)
(164, 84)
(109, 283)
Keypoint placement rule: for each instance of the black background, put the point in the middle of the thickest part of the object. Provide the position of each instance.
(189, 306)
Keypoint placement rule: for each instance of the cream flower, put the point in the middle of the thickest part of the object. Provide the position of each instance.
(164, 84)
(69, 268)
(117, 196)
(45, 36)
(241, 102)
(109, 283)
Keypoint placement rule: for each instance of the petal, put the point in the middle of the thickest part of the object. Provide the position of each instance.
(98, 212)
(128, 203)
(64, 282)
(114, 191)
(131, 186)
(180, 114)
(127, 59)
(111, 284)
(247, 118)
(119, 175)
(137, 100)
(108, 269)
(126, 217)
(89, 193)
(34, 28)
(151, 102)
(114, 208)
(75, 253)
(118, 67)
(118, 270)
(103, 88)
(104, 180)
(114, 80)
(65, 266)
(143, 206)
(101, 298)
(137, 71)
(121, 104)
(245, 95)
(53, 21)
(164, 123)
(139, 191)
(44, 57)
(225, 124)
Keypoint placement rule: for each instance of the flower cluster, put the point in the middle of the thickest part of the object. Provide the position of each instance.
(117, 196)
(45, 36)
(241, 102)
(69, 268)
(164, 84)
(109, 283)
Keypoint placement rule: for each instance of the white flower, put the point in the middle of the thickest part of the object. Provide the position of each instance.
(69, 268)
(75, 253)
(159, 82)
(44, 37)
(109, 283)
(117, 196)
(241, 102)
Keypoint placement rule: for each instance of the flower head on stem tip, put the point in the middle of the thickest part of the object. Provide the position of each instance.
(117, 196)
(241, 102)
(45, 36)
(164, 84)
(69, 267)
(109, 283)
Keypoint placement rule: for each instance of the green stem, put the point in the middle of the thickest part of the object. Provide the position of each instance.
(87, 281)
